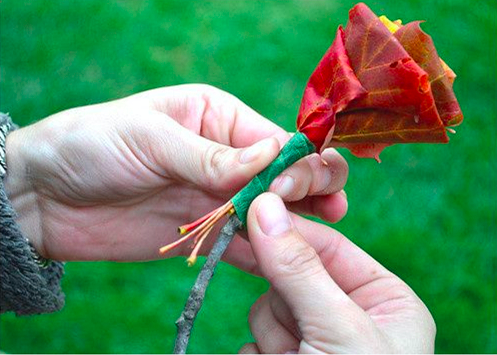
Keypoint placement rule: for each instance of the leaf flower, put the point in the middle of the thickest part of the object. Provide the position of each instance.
(380, 83)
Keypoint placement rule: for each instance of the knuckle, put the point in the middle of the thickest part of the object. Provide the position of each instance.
(339, 170)
(213, 96)
(214, 165)
(318, 176)
(301, 189)
(299, 259)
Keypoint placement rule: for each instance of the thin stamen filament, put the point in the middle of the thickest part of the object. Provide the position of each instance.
(199, 230)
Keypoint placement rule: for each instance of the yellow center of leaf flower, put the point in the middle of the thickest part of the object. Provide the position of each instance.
(393, 26)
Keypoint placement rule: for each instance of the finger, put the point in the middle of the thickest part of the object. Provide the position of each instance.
(173, 151)
(212, 113)
(339, 170)
(282, 313)
(314, 175)
(331, 208)
(372, 287)
(221, 117)
(249, 348)
(222, 168)
(293, 267)
(353, 270)
(295, 181)
(228, 120)
(271, 336)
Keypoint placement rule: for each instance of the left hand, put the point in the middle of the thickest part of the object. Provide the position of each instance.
(113, 181)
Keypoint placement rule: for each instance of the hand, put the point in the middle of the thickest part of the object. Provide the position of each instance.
(114, 181)
(326, 294)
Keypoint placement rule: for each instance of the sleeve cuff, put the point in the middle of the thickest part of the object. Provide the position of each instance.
(28, 285)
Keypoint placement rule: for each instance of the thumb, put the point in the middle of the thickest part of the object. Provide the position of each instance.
(295, 270)
(225, 169)
(211, 165)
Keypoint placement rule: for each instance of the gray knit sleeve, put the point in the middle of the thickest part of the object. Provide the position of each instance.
(27, 286)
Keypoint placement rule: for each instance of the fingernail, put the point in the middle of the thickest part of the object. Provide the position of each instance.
(272, 216)
(283, 185)
(250, 154)
(325, 181)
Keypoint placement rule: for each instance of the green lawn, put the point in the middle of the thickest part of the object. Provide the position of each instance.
(427, 212)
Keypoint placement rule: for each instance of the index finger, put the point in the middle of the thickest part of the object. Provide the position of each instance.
(212, 113)
(365, 280)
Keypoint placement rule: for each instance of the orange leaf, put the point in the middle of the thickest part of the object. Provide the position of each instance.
(420, 47)
(330, 89)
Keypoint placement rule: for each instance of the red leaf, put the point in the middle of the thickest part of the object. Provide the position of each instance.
(420, 47)
(373, 89)
(330, 89)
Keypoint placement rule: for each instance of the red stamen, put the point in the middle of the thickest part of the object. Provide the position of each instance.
(185, 228)
(199, 229)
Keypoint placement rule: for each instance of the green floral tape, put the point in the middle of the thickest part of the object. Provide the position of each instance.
(295, 149)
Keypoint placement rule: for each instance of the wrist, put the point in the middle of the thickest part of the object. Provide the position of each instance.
(14, 179)
(19, 190)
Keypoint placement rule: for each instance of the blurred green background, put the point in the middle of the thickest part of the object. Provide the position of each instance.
(428, 213)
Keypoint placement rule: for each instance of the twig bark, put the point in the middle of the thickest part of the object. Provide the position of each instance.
(197, 293)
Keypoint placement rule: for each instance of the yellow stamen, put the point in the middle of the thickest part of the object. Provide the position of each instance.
(191, 261)
(392, 26)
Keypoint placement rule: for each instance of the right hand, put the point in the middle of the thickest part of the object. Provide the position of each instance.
(327, 295)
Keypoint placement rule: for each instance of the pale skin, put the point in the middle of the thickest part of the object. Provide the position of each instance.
(113, 182)
(327, 295)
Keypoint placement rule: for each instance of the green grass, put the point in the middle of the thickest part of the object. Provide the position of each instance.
(427, 212)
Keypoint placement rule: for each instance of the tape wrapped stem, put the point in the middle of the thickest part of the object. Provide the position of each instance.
(296, 148)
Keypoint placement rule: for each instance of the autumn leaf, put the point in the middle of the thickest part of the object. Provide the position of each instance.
(420, 47)
(398, 91)
(330, 89)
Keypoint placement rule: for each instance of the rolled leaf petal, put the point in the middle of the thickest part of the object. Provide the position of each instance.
(420, 47)
(331, 87)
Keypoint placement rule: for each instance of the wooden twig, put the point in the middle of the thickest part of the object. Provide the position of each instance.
(197, 293)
